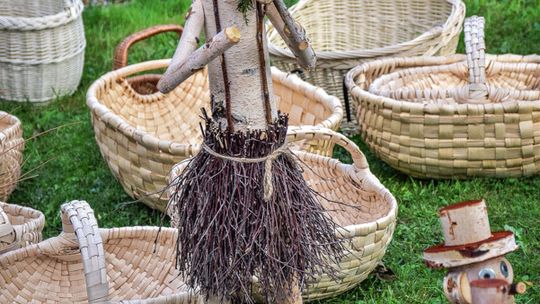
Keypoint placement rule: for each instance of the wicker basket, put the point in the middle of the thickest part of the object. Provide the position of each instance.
(345, 33)
(41, 49)
(452, 117)
(356, 201)
(142, 136)
(85, 264)
(11, 153)
(19, 227)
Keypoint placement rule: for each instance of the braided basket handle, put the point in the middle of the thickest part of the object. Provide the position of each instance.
(121, 51)
(318, 133)
(78, 218)
(476, 57)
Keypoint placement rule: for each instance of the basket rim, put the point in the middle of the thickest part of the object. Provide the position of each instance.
(72, 10)
(151, 141)
(434, 109)
(458, 9)
(14, 126)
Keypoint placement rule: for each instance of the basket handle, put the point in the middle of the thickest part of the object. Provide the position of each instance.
(295, 133)
(476, 57)
(78, 218)
(121, 51)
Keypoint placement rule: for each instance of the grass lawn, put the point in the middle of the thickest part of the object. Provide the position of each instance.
(76, 170)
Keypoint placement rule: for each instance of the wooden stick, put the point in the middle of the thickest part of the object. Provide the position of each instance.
(200, 58)
(189, 41)
(293, 34)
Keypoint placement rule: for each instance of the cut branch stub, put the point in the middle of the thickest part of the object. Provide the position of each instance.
(200, 58)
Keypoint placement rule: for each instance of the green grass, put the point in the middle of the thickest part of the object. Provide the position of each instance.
(76, 169)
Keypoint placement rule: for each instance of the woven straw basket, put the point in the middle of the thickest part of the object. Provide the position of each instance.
(41, 49)
(452, 117)
(85, 264)
(345, 33)
(19, 227)
(142, 136)
(11, 153)
(356, 201)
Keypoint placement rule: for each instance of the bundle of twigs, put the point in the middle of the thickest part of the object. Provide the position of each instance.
(231, 229)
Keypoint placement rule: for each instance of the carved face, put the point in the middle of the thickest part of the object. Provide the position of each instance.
(456, 283)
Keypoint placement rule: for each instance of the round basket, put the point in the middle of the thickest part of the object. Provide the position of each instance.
(11, 153)
(142, 136)
(19, 227)
(452, 117)
(345, 33)
(41, 49)
(85, 264)
(355, 199)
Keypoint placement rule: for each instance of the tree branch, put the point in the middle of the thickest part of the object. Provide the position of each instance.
(189, 41)
(200, 58)
(293, 34)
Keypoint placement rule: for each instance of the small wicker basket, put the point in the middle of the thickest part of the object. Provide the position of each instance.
(355, 200)
(345, 33)
(452, 117)
(19, 227)
(86, 264)
(11, 153)
(142, 136)
(41, 49)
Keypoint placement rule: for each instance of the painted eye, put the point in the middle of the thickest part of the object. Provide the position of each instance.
(504, 269)
(486, 274)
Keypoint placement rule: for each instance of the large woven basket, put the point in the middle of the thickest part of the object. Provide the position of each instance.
(86, 264)
(19, 227)
(41, 48)
(11, 153)
(355, 200)
(142, 136)
(345, 33)
(452, 117)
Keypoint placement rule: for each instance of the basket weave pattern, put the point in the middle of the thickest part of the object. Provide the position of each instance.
(346, 33)
(19, 227)
(41, 49)
(11, 153)
(364, 209)
(86, 264)
(452, 117)
(143, 136)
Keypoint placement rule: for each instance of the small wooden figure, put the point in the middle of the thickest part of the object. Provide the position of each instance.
(474, 256)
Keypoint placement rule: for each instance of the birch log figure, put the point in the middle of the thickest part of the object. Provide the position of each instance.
(242, 205)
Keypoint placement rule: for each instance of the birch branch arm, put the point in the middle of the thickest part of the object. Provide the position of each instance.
(292, 33)
(189, 41)
(199, 59)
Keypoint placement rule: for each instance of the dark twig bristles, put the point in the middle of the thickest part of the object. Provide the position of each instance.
(228, 233)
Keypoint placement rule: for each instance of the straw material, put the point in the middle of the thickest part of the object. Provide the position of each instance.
(19, 227)
(86, 264)
(41, 49)
(142, 136)
(11, 153)
(346, 33)
(452, 117)
(355, 200)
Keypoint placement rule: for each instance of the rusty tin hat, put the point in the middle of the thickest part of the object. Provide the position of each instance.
(467, 237)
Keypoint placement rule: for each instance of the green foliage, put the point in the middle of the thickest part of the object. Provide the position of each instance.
(76, 169)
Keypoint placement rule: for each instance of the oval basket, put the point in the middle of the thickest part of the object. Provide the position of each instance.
(355, 199)
(452, 117)
(41, 49)
(19, 227)
(346, 33)
(86, 264)
(11, 153)
(142, 136)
